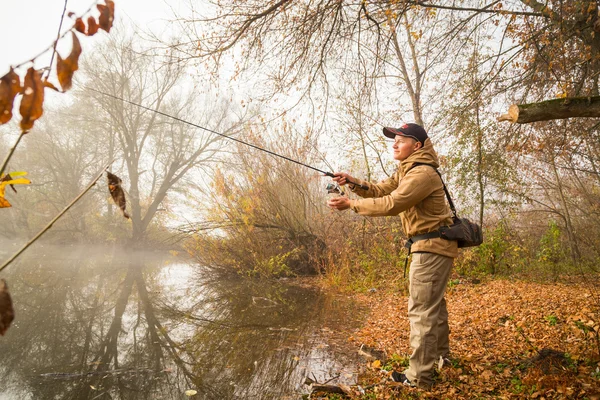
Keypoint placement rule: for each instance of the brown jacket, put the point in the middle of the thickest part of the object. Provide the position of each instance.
(417, 194)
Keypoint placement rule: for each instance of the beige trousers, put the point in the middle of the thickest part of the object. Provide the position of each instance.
(427, 314)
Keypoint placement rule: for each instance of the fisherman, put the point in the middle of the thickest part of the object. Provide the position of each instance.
(415, 191)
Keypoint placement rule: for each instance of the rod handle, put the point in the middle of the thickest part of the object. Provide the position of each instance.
(363, 187)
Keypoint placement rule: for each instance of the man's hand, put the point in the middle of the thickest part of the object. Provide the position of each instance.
(339, 203)
(342, 178)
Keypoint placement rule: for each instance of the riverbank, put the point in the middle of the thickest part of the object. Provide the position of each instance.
(510, 339)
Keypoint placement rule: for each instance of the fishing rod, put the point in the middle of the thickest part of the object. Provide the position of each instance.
(330, 174)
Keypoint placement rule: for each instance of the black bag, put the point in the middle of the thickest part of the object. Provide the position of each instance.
(465, 232)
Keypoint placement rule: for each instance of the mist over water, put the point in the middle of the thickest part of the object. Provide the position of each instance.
(100, 323)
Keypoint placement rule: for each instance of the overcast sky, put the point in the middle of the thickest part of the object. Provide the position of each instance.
(27, 27)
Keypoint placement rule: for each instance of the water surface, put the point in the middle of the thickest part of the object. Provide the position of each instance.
(101, 323)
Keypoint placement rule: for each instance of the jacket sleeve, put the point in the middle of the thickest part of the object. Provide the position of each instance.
(413, 188)
(380, 189)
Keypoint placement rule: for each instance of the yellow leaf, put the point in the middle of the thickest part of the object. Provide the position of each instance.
(376, 364)
(190, 392)
(19, 181)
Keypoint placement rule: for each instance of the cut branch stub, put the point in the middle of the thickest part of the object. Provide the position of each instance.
(10, 86)
(571, 107)
(33, 99)
(65, 68)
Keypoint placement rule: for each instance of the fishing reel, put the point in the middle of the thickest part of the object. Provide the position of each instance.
(334, 190)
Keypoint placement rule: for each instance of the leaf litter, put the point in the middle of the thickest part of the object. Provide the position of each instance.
(509, 339)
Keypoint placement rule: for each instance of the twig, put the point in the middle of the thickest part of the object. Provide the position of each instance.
(62, 18)
(10, 153)
(53, 45)
(60, 214)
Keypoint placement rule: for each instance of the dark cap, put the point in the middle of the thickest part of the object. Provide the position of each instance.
(411, 130)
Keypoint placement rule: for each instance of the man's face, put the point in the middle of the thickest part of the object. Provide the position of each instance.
(404, 147)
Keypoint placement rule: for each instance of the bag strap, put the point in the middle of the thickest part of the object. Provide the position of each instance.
(450, 202)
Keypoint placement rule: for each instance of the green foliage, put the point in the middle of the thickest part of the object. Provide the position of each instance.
(552, 320)
(550, 250)
(395, 362)
(275, 266)
(453, 283)
(516, 385)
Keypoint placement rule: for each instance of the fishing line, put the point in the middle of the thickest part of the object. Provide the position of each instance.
(330, 174)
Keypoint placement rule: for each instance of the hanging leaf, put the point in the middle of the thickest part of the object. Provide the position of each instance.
(92, 26)
(65, 68)
(9, 179)
(107, 15)
(7, 313)
(33, 99)
(50, 85)
(116, 192)
(10, 86)
(11, 176)
(80, 25)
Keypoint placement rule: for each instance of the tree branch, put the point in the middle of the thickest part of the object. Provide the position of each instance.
(60, 214)
(572, 107)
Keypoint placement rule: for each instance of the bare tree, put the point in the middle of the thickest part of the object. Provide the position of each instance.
(157, 151)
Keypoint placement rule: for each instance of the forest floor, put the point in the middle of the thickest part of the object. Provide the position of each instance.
(509, 339)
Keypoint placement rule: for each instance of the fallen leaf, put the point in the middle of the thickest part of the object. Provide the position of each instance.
(190, 392)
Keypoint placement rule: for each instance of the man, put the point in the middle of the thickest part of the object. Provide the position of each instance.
(415, 191)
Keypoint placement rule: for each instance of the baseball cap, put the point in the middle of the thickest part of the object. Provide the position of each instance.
(411, 130)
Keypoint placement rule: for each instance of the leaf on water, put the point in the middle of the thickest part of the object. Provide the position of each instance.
(107, 15)
(92, 26)
(7, 314)
(65, 68)
(33, 99)
(190, 392)
(10, 86)
(116, 192)
(80, 25)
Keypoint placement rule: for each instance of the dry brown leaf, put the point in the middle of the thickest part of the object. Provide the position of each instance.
(79, 25)
(107, 15)
(10, 86)
(92, 26)
(50, 85)
(65, 68)
(116, 192)
(7, 314)
(33, 99)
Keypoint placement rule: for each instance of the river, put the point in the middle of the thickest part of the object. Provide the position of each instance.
(103, 323)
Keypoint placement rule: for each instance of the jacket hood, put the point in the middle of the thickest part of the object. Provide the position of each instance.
(425, 155)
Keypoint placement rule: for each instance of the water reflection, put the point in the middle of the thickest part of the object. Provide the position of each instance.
(98, 324)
